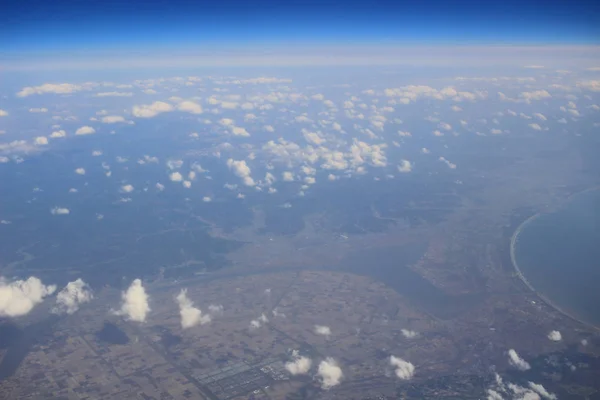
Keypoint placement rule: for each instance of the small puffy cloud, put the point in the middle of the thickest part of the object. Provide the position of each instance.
(187, 184)
(408, 333)
(58, 134)
(329, 373)
(96, 153)
(80, 171)
(40, 141)
(535, 95)
(85, 130)
(3, 113)
(206, 199)
(134, 302)
(425, 150)
(405, 166)
(555, 336)
(113, 119)
(540, 116)
(535, 127)
(287, 176)
(404, 369)
(190, 315)
(160, 187)
(322, 330)
(241, 169)
(445, 126)
(60, 88)
(151, 110)
(60, 211)
(18, 298)
(176, 177)
(190, 107)
(38, 110)
(72, 295)
(239, 131)
(257, 323)
(127, 188)
(541, 390)
(299, 365)
(516, 361)
(269, 128)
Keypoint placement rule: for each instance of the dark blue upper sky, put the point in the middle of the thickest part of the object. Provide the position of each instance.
(34, 25)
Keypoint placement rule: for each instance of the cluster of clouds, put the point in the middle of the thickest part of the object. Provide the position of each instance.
(501, 390)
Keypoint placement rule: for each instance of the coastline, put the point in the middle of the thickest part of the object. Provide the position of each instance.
(513, 241)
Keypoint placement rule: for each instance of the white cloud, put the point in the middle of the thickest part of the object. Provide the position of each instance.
(536, 127)
(58, 134)
(60, 211)
(72, 295)
(322, 330)
(187, 184)
(409, 334)
(85, 130)
(299, 365)
(135, 302)
(159, 186)
(516, 361)
(114, 94)
(190, 315)
(540, 116)
(151, 110)
(18, 298)
(329, 373)
(176, 177)
(96, 153)
(287, 176)
(555, 336)
(127, 188)
(241, 169)
(38, 110)
(80, 171)
(60, 88)
(405, 166)
(190, 107)
(257, 323)
(40, 141)
(113, 119)
(404, 369)
(239, 131)
(448, 163)
(3, 113)
(535, 95)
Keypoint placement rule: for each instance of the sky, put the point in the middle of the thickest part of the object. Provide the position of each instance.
(75, 25)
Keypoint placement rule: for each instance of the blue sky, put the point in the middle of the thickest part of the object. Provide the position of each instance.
(69, 25)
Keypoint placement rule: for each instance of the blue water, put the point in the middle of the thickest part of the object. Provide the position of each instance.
(559, 255)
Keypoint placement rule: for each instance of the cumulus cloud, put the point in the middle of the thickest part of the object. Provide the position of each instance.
(501, 390)
(535, 127)
(190, 107)
(404, 369)
(322, 330)
(71, 296)
(408, 333)
(127, 188)
(405, 166)
(241, 169)
(40, 141)
(3, 113)
(516, 361)
(58, 134)
(176, 177)
(60, 88)
(60, 211)
(329, 373)
(555, 336)
(113, 119)
(80, 171)
(114, 94)
(257, 323)
(299, 365)
(190, 315)
(18, 298)
(151, 110)
(85, 130)
(134, 302)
